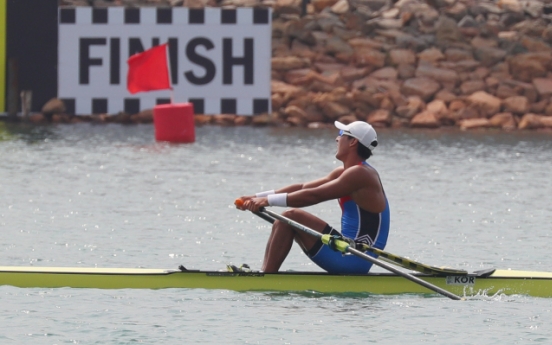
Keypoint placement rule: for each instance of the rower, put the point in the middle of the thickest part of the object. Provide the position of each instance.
(357, 187)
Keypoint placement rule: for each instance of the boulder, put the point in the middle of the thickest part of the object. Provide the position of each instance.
(413, 106)
(286, 63)
(54, 106)
(526, 67)
(517, 105)
(505, 121)
(534, 121)
(543, 86)
(402, 56)
(474, 123)
(423, 87)
(486, 104)
(471, 86)
(442, 75)
(425, 119)
(380, 118)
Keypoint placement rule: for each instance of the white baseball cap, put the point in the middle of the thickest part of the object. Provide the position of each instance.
(363, 131)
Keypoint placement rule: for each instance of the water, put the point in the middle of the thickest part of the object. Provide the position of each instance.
(110, 196)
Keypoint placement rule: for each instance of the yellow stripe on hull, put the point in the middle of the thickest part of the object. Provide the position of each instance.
(537, 284)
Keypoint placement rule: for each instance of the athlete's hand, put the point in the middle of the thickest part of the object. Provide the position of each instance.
(255, 204)
(239, 202)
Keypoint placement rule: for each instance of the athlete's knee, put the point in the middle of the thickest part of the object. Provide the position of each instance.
(295, 214)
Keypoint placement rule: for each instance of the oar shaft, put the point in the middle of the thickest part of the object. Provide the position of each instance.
(360, 254)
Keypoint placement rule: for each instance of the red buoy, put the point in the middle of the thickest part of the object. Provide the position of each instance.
(174, 122)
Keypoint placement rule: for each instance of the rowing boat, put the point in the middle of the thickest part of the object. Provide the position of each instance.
(489, 282)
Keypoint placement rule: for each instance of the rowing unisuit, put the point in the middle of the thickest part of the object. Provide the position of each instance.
(360, 225)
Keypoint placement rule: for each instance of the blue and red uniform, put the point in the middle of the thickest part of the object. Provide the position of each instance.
(360, 225)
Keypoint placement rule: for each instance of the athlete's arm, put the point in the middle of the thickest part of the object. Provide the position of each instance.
(359, 182)
(300, 186)
(312, 184)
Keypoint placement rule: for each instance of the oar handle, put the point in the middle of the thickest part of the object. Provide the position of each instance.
(239, 204)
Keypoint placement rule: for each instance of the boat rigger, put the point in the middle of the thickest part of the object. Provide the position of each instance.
(489, 282)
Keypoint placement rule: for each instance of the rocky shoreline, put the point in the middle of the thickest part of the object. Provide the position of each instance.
(407, 63)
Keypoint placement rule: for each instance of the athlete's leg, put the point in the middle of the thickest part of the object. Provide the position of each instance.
(282, 237)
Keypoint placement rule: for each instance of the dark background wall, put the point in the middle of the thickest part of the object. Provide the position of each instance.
(32, 42)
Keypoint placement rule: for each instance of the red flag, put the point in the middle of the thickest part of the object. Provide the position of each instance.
(148, 71)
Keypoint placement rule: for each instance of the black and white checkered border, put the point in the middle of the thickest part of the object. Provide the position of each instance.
(133, 105)
(163, 16)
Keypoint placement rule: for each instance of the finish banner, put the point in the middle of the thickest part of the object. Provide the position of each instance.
(219, 59)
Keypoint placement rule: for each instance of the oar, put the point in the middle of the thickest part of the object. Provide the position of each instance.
(395, 259)
(344, 247)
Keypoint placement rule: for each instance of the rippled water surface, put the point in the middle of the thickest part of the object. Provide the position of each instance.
(110, 196)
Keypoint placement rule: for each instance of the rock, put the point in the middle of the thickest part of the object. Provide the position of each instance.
(526, 67)
(402, 56)
(295, 111)
(547, 34)
(534, 121)
(242, 120)
(517, 105)
(485, 103)
(543, 86)
(406, 71)
(54, 106)
(431, 55)
(145, 116)
(446, 31)
(457, 105)
(380, 118)
(445, 96)
(437, 107)
(548, 110)
(505, 121)
(425, 119)
(285, 89)
(288, 63)
(539, 107)
(334, 110)
(420, 86)
(510, 5)
(365, 42)
(504, 91)
(200, 119)
(535, 45)
(413, 106)
(438, 74)
(37, 118)
(457, 11)
(474, 123)
(369, 57)
(335, 45)
(320, 5)
(471, 86)
(299, 77)
(287, 7)
(349, 74)
(385, 73)
(456, 54)
(264, 119)
(480, 42)
(340, 7)
(489, 56)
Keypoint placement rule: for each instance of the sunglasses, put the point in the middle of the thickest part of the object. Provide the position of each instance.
(341, 132)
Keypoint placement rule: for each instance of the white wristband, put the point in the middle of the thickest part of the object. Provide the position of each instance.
(279, 199)
(263, 194)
